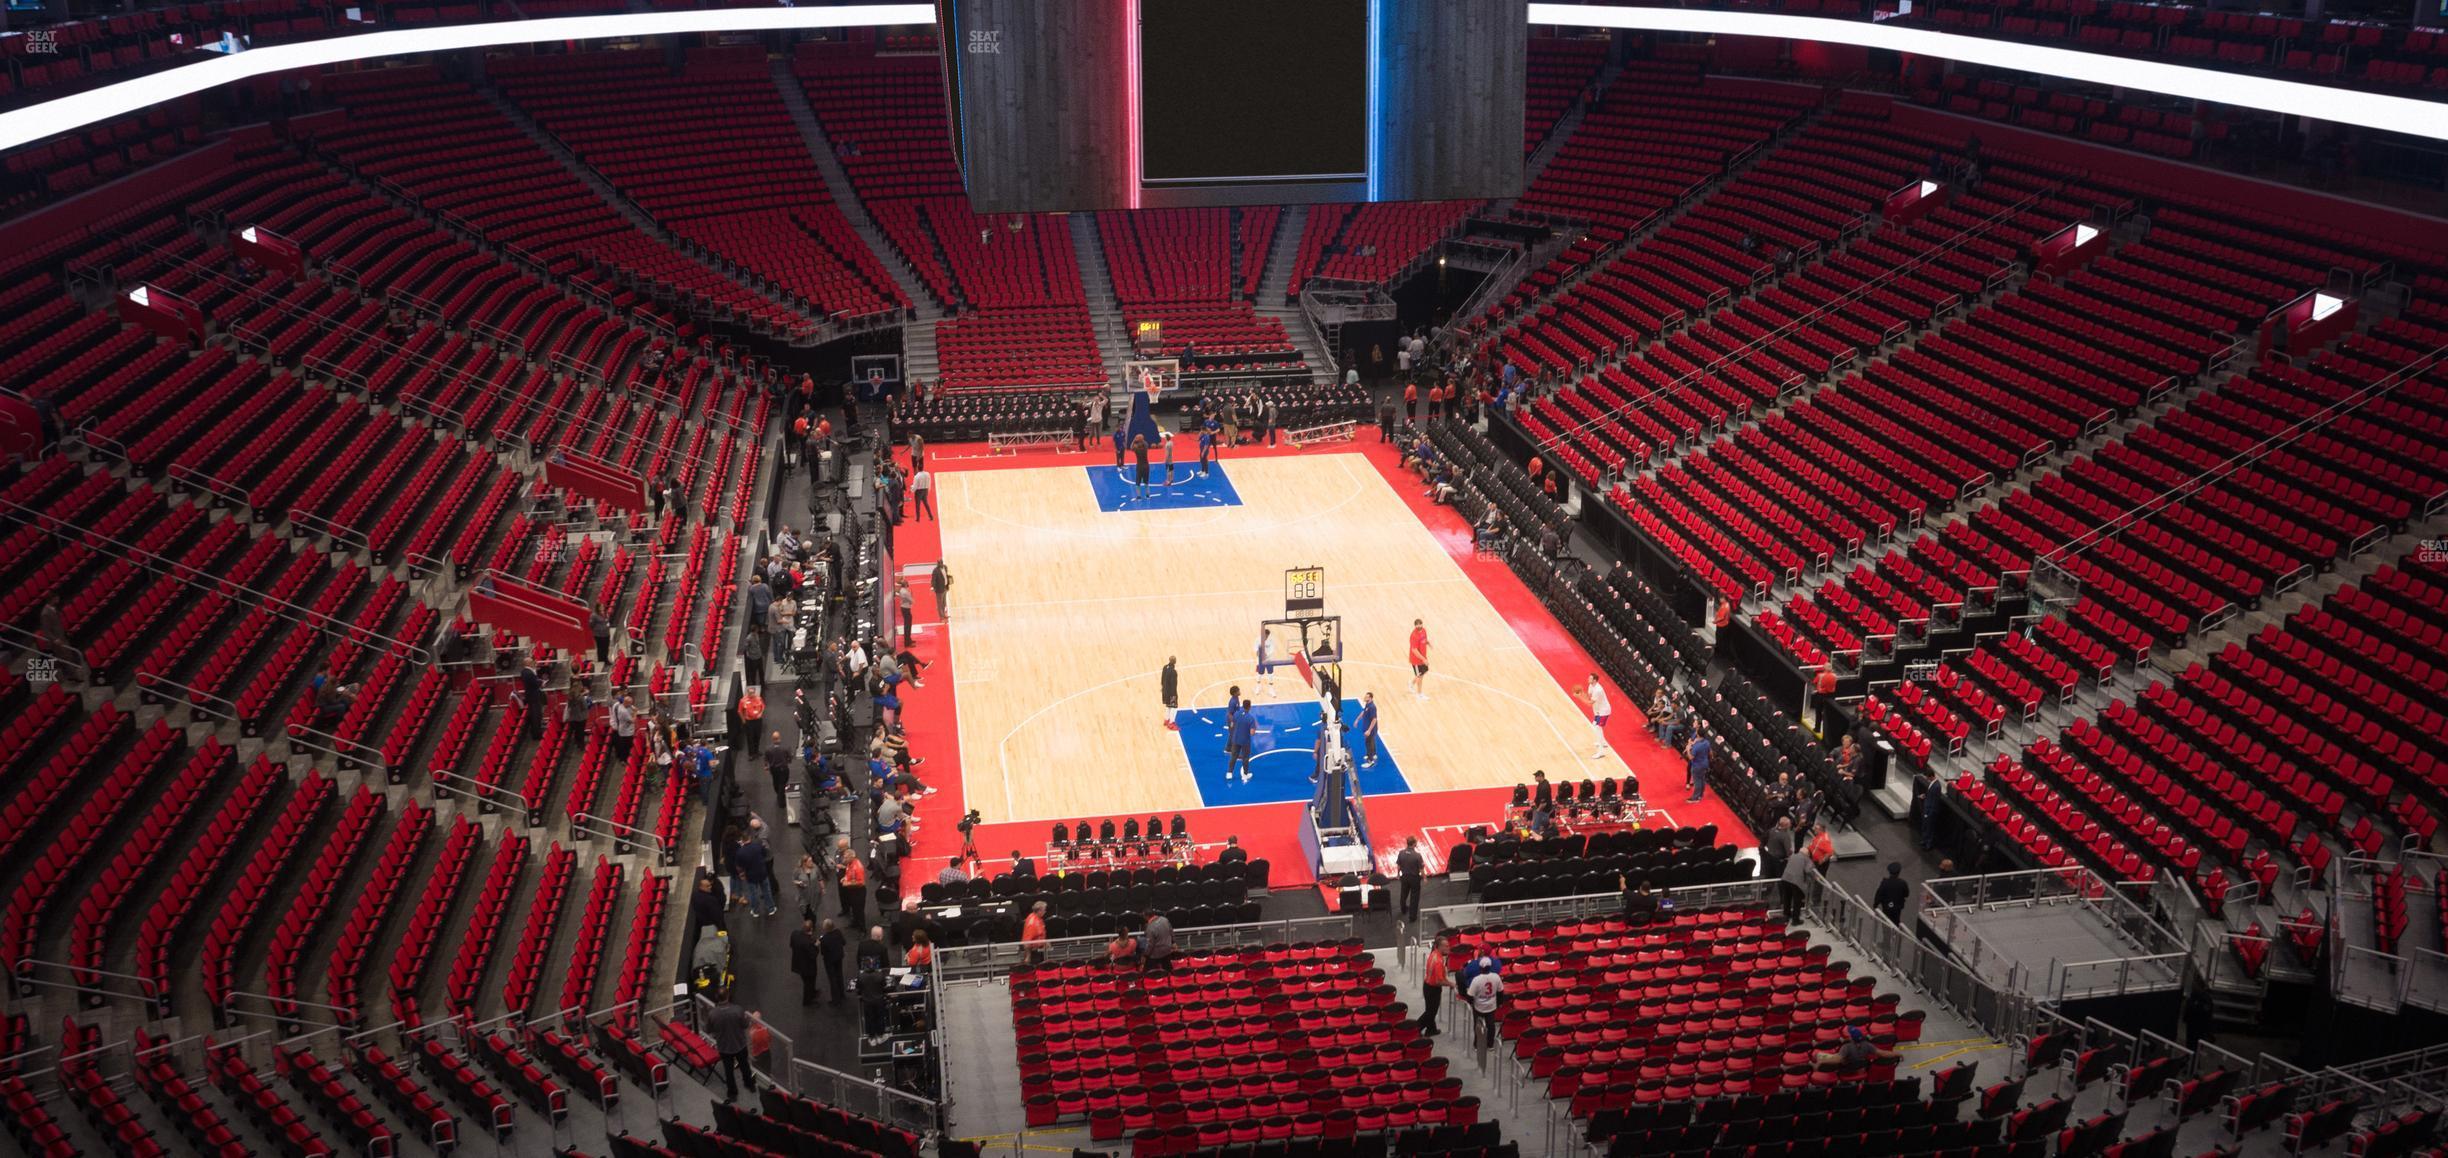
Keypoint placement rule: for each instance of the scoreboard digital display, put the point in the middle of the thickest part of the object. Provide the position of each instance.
(1062, 105)
(1265, 90)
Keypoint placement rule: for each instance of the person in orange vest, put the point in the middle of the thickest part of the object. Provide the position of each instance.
(1033, 935)
(1411, 402)
(852, 882)
(1433, 983)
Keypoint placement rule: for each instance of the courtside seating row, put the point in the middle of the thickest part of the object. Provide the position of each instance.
(971, 416)
(1665, 869)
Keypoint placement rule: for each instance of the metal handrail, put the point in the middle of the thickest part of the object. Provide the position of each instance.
(219, 488)
(955, 963)
(197, 577)
(593, 826)
(447, 781)
(315, 525)
(194, 697)
(148, 988)
(230, 999)
(2058, 557)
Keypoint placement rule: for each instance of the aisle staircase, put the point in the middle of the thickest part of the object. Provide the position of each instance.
(1276, 281)
(918, 358)
(1104, 310)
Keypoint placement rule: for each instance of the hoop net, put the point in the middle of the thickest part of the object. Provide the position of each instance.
(1153, 377)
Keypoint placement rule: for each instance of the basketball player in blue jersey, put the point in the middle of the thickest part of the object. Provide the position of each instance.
(1208, 433)
(1365, 723)
(1232, 707)
(1240, 731)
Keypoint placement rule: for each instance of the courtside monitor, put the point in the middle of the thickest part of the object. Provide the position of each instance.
(1130, 104)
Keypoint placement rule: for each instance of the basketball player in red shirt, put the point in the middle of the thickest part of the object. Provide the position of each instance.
(1419, 657)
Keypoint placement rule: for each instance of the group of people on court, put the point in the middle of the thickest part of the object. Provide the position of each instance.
(1210, 436)
(1241, 722)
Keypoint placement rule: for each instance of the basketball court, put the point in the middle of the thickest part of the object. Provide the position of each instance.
(1070, 592)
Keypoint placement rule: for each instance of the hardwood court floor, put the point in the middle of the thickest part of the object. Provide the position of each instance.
(1064, 614)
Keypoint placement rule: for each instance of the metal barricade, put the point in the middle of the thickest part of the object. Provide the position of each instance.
(866, 1096)
(956, 963)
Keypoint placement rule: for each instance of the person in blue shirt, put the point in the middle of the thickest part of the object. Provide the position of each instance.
(1365, 723)
(703, 757)
(1698, 753)
(1208, 432)
(1239, 730)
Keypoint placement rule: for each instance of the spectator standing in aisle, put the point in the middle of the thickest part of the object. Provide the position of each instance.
(781, 620)
(1776, 849)
(1697, 754)
(1486, 992)
(1157, 951)
(1892, 893)
(624, 727)
(601, 629)
(727, 1026)
(829, 946)
(1932, 812)
(531, 700)
(1435, 975)
(850, 881)
(1410, 868)
(1385, 419)
(905, 607)
(806, 961)
(778, 766)
(755, 863)
(760, 600)
(1790, 882)
(1033, 935)
(706, 903)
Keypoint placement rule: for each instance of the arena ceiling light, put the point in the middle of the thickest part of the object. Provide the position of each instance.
(50, 118)
(2421, 118)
